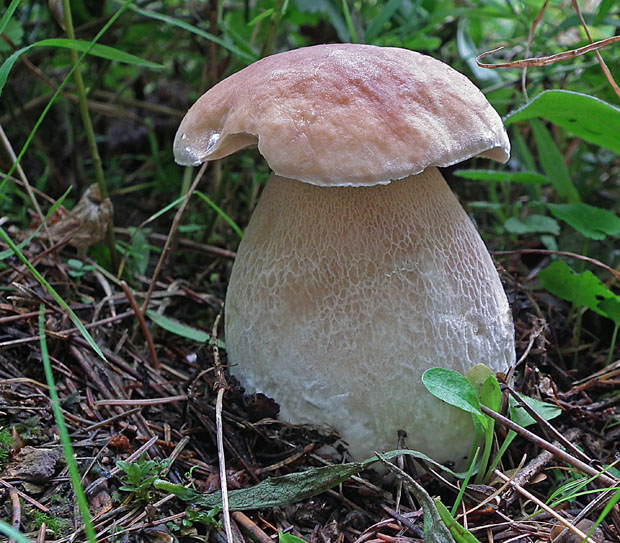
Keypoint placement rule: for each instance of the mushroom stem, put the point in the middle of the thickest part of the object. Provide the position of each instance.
(341, 297)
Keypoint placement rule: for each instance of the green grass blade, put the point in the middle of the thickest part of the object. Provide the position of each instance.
(5, 254)
(349, 21)
(10, 532)
(221, 213)
(65, 440)
(376, 25)
(102, 51)
(552, 163)
(8, 14)
(194, 30)
(74, 318)
(112, 20)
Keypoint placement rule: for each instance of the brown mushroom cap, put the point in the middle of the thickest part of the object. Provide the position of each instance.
(344, 115)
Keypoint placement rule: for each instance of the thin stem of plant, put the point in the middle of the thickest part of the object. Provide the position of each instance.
(545, 507)
(142, 322)
(27, 186)
(273, 28)
(604, 67)
(88, 128)
(530, 37)
(545, 61)
(221, 386)
(558, 453)
(173, 230)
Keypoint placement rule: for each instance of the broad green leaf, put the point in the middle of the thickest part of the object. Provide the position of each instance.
(589, 118)
(532, 224)
(611, 308)
(521, 417)
(582, 289)
(478, 375)
(271, 492)
(491, 394)
(593, 222)
(552, 162)
(459, 533)
(524, 178)
(453, 388)
(97, 50)
(290, 488)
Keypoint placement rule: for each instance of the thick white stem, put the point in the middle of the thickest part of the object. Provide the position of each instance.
(341, 297)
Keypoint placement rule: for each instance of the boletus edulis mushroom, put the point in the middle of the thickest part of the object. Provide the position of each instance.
(359, 269)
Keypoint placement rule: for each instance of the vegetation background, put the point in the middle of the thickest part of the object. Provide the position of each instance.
(92, 94)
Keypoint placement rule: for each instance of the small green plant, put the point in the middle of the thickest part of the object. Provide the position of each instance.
(139, 476)
(468, 393)
(77, 268)
(59, 526)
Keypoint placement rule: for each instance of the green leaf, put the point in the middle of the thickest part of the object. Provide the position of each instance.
(611, 309)
(589, 118)
(52, 292)
(271, 492)
(593, 222)
(435, 531)
(14, 31)
(532, 224)
(552, 162)
(459, 533)
(220, 212)
(6, 17)
(11, 532)
(261, 16)
(97, 50)
(524, 178)
(277, 491)
(376, 25)
(9, 252)
(491, 394)
(453, 388)
(582, 289)
(521, 417)
(289, 538)
(140, 250)
(194, 30)
(478, 375)
(178, 328)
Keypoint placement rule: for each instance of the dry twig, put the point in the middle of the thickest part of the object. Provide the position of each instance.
(545, 61)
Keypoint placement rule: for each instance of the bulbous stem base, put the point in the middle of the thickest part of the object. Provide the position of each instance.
(341, 297)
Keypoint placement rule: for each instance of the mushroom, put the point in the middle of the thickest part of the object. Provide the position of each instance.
(359, 269)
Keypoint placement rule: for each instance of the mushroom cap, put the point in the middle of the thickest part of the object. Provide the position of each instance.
(344, 115)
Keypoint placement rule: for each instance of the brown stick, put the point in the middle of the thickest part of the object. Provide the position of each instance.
(602, 478)
(545, 61)
(145, 329)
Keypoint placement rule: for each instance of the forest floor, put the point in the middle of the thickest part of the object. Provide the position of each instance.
(152, 404)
